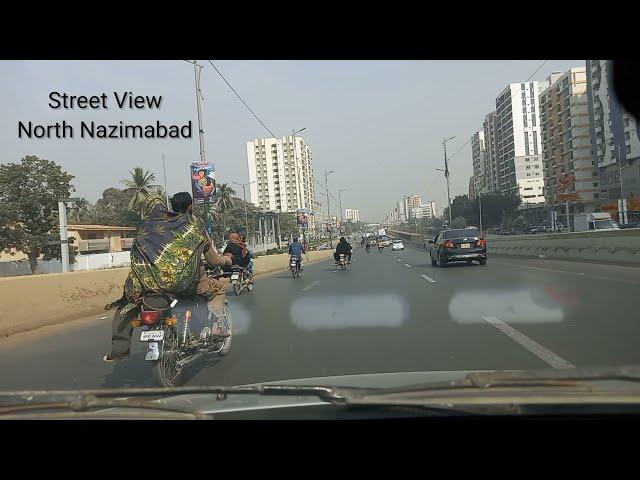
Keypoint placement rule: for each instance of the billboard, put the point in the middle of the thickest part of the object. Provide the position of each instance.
(303, 218)
(203, 183)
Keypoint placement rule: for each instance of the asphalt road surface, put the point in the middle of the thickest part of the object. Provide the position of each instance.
(390, 312)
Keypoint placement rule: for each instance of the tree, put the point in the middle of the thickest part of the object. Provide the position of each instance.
(80, 209)
(113, 209)
(224, 201)
(141, 185)
(29, 194)
(458, 222)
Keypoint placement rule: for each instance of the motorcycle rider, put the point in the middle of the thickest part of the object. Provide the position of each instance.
(237, 247)
(368, 247)
(252, 255)
(166, 256)
(296, 249)
(343, 247)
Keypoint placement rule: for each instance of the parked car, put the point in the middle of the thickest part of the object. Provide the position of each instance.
(397, 245)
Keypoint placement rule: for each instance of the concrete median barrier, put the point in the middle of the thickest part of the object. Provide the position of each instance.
(620, 247)
(33, 301)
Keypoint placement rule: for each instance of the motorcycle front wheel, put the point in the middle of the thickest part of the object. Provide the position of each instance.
(164, 371)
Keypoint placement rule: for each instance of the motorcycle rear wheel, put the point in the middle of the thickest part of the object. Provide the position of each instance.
(164, 371)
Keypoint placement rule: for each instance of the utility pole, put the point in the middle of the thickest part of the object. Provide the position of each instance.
(196, 71)
(164, 173)
(326, 186)
(340, 204)
(446, 175)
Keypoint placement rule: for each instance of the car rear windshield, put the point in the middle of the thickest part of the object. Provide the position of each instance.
(397, 241)
(467, 232)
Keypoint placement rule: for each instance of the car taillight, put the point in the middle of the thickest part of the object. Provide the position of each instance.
(482, 242)
(448, 244)
(150, 317)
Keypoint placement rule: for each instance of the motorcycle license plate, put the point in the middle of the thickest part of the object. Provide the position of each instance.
(465, 245)
(234, 276)
(152, 336)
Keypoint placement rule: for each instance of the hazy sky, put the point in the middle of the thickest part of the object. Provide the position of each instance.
(379, 124)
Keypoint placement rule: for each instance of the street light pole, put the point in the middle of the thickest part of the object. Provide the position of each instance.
(446, 175)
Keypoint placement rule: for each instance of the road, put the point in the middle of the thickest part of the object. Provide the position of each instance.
(390, 312)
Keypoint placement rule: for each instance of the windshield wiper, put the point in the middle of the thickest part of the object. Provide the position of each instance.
(145, 398)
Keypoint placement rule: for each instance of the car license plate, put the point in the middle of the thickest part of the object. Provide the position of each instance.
(152, 336)
(465, 245)
(234, 276)
(293, 264)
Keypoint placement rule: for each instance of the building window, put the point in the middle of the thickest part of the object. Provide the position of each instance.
(533, 122)
(628, 149)
(524, 121)
(626, 122)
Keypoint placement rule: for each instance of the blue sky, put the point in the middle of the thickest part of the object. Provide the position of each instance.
(379, 124)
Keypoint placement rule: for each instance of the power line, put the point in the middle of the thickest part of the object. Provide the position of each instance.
(258, 118)
(512, 96)
(241, 99)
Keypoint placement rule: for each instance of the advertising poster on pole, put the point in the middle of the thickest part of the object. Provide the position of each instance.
(303, 218)
(203, 182)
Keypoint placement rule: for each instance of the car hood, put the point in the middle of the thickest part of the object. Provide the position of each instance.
(208, 403)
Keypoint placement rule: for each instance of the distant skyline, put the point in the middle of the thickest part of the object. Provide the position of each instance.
(379, 124)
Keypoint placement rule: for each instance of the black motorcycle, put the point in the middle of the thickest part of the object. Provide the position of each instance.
(177, 332)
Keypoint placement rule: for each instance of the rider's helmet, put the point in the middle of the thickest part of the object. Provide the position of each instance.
(295, 239)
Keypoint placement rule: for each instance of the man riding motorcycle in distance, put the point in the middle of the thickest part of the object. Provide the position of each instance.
(296, 249)
(166, 256)
(251, 254)
(343, 247)
(240, 252)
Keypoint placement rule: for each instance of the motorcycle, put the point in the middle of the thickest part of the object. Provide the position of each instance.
(368, 248)
(241, 279)
(294, 265)
(380, 247)
(169, 333)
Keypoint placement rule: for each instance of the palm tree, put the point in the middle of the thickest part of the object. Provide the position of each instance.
(80, 206)
(224, 201)
(141, 184)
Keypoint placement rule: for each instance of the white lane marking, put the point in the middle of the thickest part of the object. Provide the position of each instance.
(307, 288)
(399, 259)
(534, 347)
(428, 278)
(407, 265)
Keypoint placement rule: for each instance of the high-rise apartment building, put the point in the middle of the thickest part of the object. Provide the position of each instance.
(479, 163)
(566, 145)
(615, 136)
(490, 153)
(518, 142)
(352, 214)
(281, 174)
